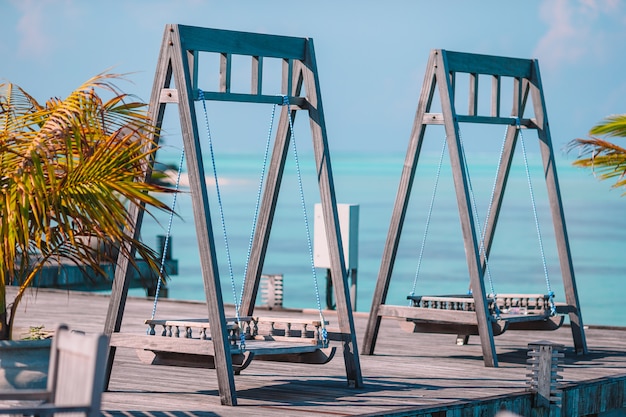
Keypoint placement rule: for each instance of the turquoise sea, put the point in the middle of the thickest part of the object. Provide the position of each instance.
(594, 214)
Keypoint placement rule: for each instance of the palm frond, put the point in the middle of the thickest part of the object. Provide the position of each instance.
(69, 169)
(612, 126)
(606, 159)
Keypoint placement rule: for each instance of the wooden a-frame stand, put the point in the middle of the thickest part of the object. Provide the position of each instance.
(178, 63)
(440, 78)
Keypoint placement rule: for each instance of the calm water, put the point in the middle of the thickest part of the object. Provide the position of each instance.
(594, 213)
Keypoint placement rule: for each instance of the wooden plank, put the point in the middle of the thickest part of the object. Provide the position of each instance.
(194, 322)
(169, 95)
(472, 109)
(240, 361)
(433, 119)
(256, 84)
(443, 327)
(512, 121)
(314, 357)
(122, 277)
(488, 64)
(556, 208)
(225, 72)
(417, 374)
(547, 324)
(308, 67)
(443, 316)
(166, 344)
(468, 226)
(496, 87)
(202, 220)
(400, 208)
(241, 43)
(457, 298)
(158, 350)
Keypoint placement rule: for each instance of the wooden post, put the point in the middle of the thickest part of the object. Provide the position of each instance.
(543, 363)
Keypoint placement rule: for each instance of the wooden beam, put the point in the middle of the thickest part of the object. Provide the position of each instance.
(241, 43)
(496, 86)
(468, 227)
(299, 103)
(487, 64)
(400, 207)
(122, 277)
(558, 216)
(256, 85)
(225, 70)
(473, 95)
(329, 208)
(202, 220)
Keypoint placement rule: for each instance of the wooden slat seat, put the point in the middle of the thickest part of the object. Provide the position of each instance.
(455, 314)
(285, 340)
(274, 327)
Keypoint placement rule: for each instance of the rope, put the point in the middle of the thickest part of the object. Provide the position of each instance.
(306, 222)
(534, 205)
(428, 218)
(167, 238)
(223, 221)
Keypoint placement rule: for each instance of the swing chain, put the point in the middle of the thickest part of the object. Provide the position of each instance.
(150, 330)
(428, 219)
(536, 216)
(222, 218)
(306, 221)
(474, 208)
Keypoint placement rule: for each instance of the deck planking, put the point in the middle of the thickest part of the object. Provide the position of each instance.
(407, 372)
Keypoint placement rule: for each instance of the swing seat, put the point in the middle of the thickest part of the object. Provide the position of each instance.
(446, 327)
(287, 340)
(240, 361)
(193, 353)
(290, 352)
(447, 314)
(455, 314)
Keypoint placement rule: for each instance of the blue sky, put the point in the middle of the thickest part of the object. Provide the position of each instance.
(371, 55)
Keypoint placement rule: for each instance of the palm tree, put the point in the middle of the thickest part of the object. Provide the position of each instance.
(69, 172)
(605, 158)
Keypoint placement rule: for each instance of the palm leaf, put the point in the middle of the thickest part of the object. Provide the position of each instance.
(606, 159)
(71, 168)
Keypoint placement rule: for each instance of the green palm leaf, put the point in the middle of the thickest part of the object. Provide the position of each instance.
(69, 172)
(606, 159)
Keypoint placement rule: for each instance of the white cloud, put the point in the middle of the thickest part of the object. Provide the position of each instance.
(575, 30)
(41, 24)
(33, 41)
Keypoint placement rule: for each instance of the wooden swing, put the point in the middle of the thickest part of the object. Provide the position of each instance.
(478, 313)
(456, 313)
(229, 344)
(308, 347)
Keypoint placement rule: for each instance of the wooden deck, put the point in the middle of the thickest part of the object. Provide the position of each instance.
(410, 374)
